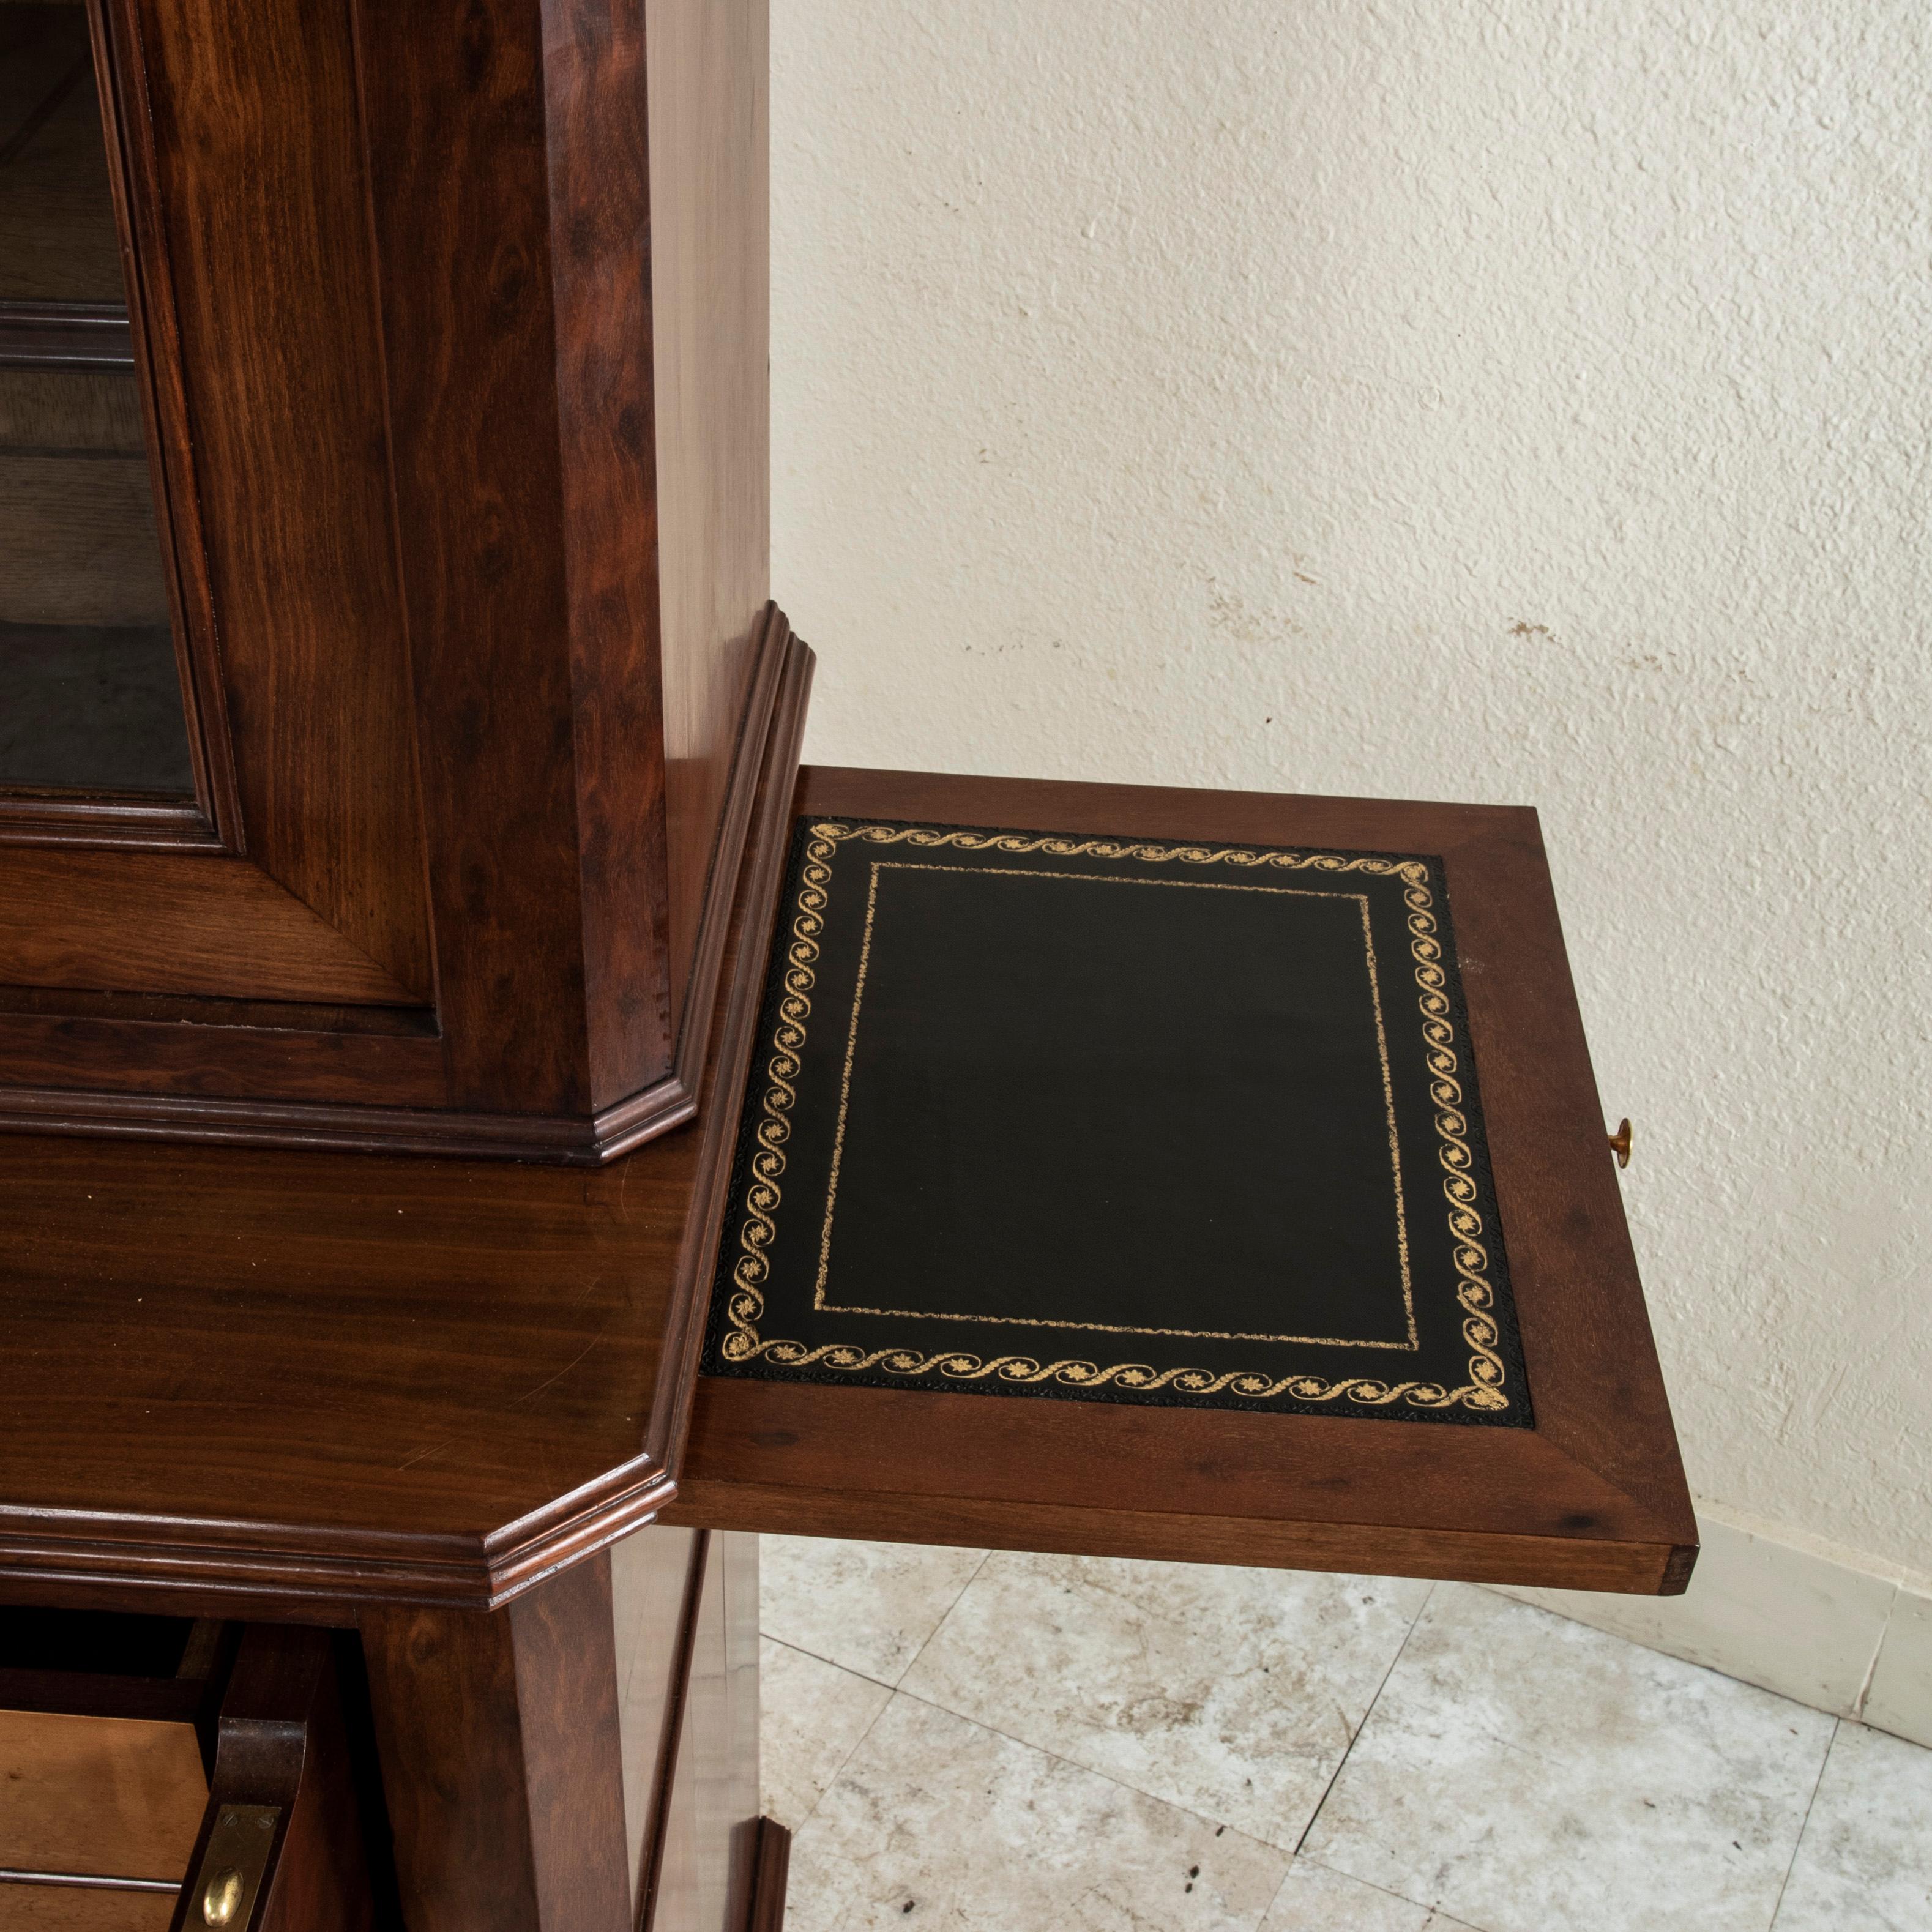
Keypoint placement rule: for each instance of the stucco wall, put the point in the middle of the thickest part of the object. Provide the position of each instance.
(1524, 401)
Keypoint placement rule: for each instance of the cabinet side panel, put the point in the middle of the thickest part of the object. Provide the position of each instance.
(710, 275)
(258, 156)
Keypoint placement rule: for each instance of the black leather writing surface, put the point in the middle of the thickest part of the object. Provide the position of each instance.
(1117, 1119)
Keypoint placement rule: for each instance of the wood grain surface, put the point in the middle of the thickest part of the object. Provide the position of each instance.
(772, 1878)
(166, 922)
(111, 1797)
(285, 1073)
(499, 1735)
(302, 1382)
(263, 214)
(438, 552)
(1594, 1497)
(49, 1908)
(459, 143)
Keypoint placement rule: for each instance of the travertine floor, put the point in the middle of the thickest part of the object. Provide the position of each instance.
(965, 1739)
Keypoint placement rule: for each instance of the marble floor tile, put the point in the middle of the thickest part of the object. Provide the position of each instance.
(868, 1607)
(812, 1716)
(1864, 1864)
(1233, 1692)
(1314, 1899)
(1525, 1773)
(940, 1825)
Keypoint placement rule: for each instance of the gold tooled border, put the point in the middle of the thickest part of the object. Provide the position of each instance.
(745, 1305)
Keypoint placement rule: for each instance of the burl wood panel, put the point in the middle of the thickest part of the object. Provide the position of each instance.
(108, 1797)
(1593, 1497)
(265, 213)
(711, 302)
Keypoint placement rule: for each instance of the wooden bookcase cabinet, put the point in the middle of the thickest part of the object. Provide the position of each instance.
(449, 326)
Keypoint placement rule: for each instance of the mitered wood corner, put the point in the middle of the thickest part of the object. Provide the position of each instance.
(1592, 1496)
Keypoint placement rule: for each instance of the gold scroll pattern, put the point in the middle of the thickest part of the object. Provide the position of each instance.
(758, 1229)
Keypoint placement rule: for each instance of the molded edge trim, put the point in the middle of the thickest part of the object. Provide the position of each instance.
(587, 1141)
(231, 1565)
(1469, 1556)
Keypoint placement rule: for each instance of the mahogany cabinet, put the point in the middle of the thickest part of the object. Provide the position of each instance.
(385, 639)
(402, 830)
(453, 1407)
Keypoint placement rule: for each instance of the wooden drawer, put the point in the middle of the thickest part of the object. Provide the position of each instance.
(103, 1782)
(111, 1797)
(120, 1783)
(46, 1908)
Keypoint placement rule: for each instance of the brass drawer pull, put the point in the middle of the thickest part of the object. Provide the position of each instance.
(235, 1865)
(219, 1901)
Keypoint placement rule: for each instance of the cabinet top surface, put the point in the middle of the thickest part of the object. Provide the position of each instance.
(342, 1351)
(300, 1380)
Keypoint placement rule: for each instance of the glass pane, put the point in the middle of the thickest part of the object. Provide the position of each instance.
(90, 698)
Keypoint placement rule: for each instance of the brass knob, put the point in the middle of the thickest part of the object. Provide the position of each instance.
(222, 1897)
(1620, 1143)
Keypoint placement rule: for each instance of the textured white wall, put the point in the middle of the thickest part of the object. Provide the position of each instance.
(1522, 401)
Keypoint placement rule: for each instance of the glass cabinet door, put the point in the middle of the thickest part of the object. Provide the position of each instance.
(91, 689)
